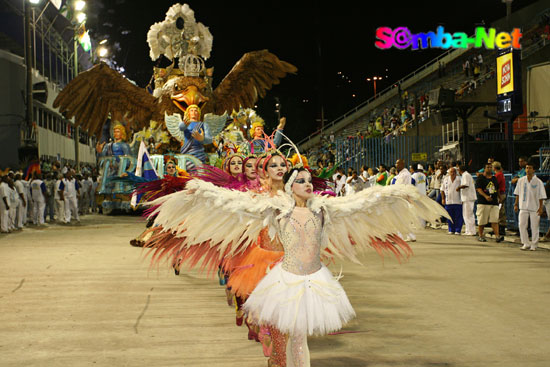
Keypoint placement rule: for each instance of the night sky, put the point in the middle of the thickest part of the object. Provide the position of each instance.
(322, 39)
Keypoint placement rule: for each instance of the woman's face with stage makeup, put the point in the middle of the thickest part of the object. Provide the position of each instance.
(259, 168)
(276, 168)
(235, 166)
(250, 168)
(302, 186)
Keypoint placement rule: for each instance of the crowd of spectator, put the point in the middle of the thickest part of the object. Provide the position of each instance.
(466, 196)
(50, 194)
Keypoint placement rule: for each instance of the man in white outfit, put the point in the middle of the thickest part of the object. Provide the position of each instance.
(450, 199)
(70, 188)
(403, 178)
(4, 205)
(22, 208)
(93, 203)
(39, 195)
(468, 197)
(84, 201)
(530, 195)
(419, 179)
(59, 203)
(14, 203)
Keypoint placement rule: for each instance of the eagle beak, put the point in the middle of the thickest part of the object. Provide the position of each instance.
(189, 96)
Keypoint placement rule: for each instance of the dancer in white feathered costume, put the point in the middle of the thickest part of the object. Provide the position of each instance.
(299, 296)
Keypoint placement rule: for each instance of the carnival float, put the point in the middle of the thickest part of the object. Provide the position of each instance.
(184, 120)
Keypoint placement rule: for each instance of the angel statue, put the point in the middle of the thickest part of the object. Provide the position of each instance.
(193, 133)
(116, 147)
(299, 295)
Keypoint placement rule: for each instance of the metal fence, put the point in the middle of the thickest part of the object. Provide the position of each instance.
(356, 152)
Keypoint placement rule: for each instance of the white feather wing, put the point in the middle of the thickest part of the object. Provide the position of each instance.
(372, 218)
(215, 123)
(173, 125)
(231, 220)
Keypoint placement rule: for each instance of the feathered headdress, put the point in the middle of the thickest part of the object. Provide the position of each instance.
(298, 158)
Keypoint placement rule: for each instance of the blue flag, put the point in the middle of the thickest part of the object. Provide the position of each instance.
(144, 169)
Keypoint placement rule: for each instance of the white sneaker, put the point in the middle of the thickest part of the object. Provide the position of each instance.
(533, 249)
(457, 233)
(525, 247)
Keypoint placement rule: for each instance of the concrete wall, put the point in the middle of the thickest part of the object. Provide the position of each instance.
(12, 111)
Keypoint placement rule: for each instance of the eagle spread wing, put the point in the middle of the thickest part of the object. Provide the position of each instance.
(100, 91)
(254, 74)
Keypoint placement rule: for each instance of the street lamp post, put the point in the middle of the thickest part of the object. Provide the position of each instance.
(77, 128)
(28, 65)
(80, 19)
(374, 79)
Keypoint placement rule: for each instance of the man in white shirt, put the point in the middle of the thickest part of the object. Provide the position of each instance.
(93, 203)
(69, 188)
(530, 195)
(450, 198)
(339, 180)
(364, 173)
(354, 183)
(59, 203)
(419, 179)
(22, 208)
(468, 197)
(14, 204)
(4, 205)
(29, 212)
(84, 201)
(403, 178)
(39, 195)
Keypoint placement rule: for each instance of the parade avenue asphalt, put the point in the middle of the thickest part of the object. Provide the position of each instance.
(82, 296)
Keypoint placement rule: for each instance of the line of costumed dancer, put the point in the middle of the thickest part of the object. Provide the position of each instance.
(272, 236)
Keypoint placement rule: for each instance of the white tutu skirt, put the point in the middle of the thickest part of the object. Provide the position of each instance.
(315, 304)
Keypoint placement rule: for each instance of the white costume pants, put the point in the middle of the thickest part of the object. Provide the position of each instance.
(60, 210)
(71, 205)
(13, 217)
(25, 211)
(468, 215)
(84, 203)
(524, 218)
(38, 208)
(4, 219)
(20, 217)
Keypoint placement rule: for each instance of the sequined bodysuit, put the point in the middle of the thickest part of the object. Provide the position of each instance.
(300, 233)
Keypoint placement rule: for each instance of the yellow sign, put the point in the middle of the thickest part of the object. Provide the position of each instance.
(505, 74)
(419, 157)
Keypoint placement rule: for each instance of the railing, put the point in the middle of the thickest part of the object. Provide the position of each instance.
(356, 152)
(534, 47)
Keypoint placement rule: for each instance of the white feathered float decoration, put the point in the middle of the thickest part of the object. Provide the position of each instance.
(165, 38)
